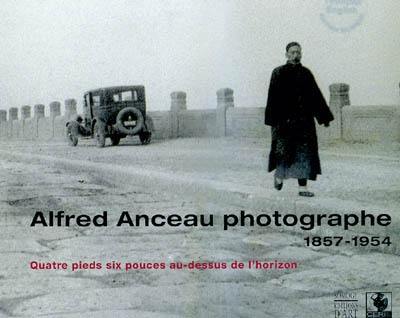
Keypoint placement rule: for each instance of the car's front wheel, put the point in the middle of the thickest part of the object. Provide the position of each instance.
(71, 135)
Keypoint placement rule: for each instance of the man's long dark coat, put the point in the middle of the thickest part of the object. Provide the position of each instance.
(294, 100)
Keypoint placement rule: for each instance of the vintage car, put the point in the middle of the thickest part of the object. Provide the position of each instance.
(114, 112)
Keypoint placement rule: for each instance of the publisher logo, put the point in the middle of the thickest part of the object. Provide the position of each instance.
(379, 304)
(343, 15)
(345, 305)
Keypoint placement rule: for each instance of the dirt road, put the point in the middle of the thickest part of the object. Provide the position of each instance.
(52, 185)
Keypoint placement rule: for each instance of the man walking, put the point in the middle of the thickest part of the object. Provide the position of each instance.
(294, 99)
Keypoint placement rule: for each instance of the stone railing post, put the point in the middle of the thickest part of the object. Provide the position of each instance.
(25, 112)
(13, 131)
(3, 123)
(13, 113)
(224, 100)
(38, 111)
(70, 108)
(3, 116)
(398, 120)
(178, 104)
(55, 109)
(339, 97)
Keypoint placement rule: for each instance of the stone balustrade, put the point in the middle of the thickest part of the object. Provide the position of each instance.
(374, 123)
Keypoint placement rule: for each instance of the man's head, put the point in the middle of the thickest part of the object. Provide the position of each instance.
(293, 52)
(79, 119)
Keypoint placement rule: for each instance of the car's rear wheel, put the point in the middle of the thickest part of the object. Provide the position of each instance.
(145, 137)
(99, 135)
(115, 140)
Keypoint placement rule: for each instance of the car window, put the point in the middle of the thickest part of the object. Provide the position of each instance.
(96, 100)
(87, 100)
(125, 96)
(116, 98)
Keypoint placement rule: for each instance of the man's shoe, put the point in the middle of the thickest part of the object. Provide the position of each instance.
(278, 186)
(306, 194)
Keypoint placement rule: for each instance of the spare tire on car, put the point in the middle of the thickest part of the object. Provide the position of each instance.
(129, 121)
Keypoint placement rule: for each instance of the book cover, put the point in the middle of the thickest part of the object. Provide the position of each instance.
(135, 158)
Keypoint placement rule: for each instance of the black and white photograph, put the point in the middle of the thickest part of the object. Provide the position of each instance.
(183, 159)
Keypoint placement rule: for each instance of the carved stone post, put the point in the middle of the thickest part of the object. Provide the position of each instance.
(339, 98)
(178, 104)
(224, 101)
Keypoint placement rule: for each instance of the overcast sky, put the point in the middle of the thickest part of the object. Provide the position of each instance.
(54, 50)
